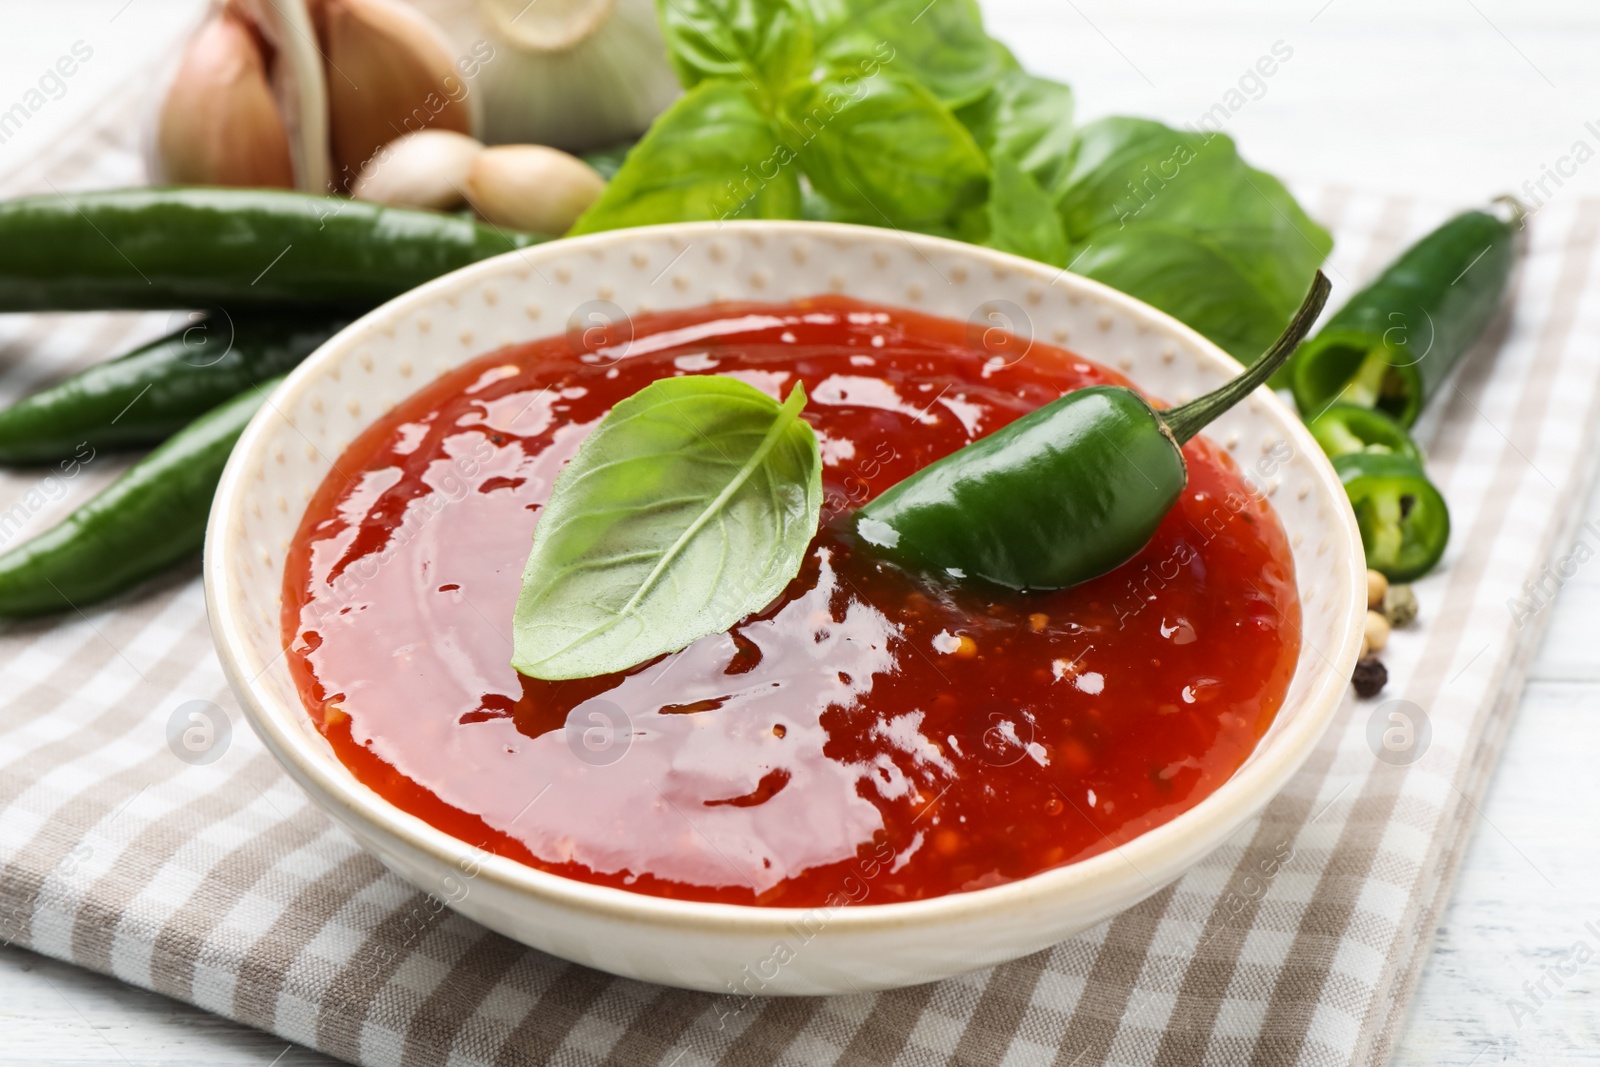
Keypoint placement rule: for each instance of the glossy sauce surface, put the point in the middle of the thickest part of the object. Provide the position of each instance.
(868, 738)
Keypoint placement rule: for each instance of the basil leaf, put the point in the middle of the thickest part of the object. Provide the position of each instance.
(1027, 120)
(885, 150)
(1178, 272)
(942, 44)
(1166, 215)
(1123, 170)
(690, 506)
(1021, 217)
(765, 42)
(1004, 56)
(711, 155)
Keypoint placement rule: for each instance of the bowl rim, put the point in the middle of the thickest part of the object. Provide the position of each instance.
(1217, 816)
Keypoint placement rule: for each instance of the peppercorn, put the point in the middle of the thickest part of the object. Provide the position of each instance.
(1376, 632)
(1377, 586)
(1399, 605)
(1370, 676)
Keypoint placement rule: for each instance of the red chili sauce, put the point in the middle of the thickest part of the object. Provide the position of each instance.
(870, 737)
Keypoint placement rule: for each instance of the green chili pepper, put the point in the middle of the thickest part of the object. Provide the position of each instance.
(233, 248)
(1404, 522)
(1345, 429)
(1063, 494)
(151, 517)
(142, 398)
(1395, 342)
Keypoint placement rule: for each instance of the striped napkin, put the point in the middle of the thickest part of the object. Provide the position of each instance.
(206, 875)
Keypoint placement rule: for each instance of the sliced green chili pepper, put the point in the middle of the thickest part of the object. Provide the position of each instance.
(1404, 522)
(1395, 342)
(142, 398)
(151, 517)
(1063, 494)
(1345, 429)
(233, 248)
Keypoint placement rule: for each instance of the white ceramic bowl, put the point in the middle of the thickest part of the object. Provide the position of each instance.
(355, 377)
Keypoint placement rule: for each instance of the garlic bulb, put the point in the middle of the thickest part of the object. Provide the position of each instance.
(247, 90)
(426, 169)
(223, 127)
(346, 77)
(309, 92)
(555, 26)
(532, 188)
(577, 74)
(389, 71)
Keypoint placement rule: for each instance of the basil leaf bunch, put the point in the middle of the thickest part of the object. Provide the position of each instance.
(687, 508)
(907, 114)
(856, 96)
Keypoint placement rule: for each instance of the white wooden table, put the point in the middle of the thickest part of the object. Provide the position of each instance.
(1454, 99)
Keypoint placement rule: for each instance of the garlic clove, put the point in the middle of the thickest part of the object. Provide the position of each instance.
(219, 123)
(297, 84)
(531, 187)
(389, 71)
(426, 169)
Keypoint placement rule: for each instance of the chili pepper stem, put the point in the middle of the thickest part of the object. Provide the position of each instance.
(1186, 420)
(1516, 213)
